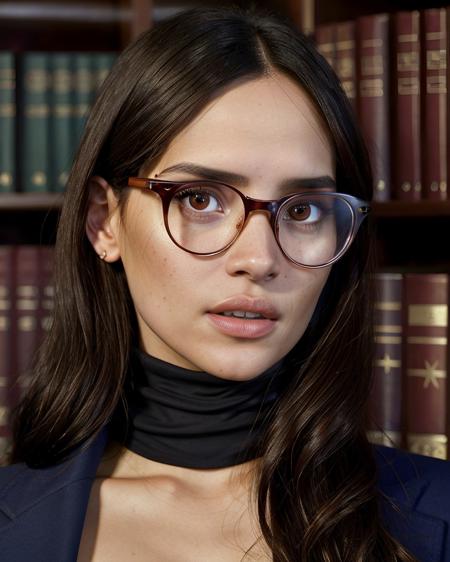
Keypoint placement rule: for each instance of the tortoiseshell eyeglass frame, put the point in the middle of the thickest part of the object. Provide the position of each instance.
(167, 189)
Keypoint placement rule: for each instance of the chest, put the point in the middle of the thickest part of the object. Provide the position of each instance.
(142, 524)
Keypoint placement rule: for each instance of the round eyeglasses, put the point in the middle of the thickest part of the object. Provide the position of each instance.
(312, 229)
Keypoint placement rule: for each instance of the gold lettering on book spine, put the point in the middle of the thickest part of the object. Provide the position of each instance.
(430, 374)
(429, 444)
(388, 438)
(433, 315)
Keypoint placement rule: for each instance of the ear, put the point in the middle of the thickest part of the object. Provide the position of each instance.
(102, 220)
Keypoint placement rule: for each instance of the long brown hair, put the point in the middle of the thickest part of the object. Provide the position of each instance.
(317, 495)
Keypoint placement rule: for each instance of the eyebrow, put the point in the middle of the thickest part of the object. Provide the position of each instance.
(223, 176)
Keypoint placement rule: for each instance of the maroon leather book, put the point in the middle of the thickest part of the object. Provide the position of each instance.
(407, 134)
(434, 103)
(373, 72)
(386, 396)
(325, 38)
(426, 331)
(27, 312)
(345, 58)
(6, 338)
(46, 289)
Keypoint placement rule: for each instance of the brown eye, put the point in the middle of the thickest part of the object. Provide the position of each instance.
(300, 212)
(199, 201)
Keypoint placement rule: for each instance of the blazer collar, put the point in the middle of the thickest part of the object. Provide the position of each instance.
(42, 511)
(402, 487)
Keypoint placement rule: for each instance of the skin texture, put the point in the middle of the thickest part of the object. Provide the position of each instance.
(267, 130)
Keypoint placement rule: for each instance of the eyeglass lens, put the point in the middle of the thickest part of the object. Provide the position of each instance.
(311, 229)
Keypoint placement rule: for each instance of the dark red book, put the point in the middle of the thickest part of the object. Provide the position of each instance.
(6, 339)
(426, 331)
(373, 70)
(46, 289)
(325, 37)
(345, 58)
(386, 396)
(407, 116)
(27, 338)
(434, 103)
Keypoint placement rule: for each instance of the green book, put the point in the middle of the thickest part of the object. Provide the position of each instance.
(35, 124)
(84, 88)
(61, 136)
(7, 122)
(102, 63)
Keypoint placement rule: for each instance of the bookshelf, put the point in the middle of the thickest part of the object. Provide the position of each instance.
(409, 236)
(111, 24)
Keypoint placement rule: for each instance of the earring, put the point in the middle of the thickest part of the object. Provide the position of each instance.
(103, 255)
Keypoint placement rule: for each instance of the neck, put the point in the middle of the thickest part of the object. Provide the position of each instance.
(192, 419)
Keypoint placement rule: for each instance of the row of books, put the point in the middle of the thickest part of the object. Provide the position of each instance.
(394, 69)
(410, 402)
(44, 100)
(409, 398)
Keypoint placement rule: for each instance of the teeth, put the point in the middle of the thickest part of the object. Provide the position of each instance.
(242, 314)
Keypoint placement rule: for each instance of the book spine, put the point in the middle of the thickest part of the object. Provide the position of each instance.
(426, 363)
(102, 63)
(7, 122)
(407, 145)
(373, 73)
(325, 38)
(61, 120)
(46, 286)
(345, 59)
(83, 92)
(36, 113)
(6, 339)
(434, 100)
(27, 311)
(386, 396)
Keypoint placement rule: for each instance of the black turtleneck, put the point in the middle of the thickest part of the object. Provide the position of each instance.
(193, 419)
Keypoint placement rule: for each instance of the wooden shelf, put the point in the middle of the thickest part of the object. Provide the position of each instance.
(30, 201)
(411, 209)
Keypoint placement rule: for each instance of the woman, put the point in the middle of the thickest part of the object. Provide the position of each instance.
(202, 392)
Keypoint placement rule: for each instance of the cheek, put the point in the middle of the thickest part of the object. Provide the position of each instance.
(310, 289)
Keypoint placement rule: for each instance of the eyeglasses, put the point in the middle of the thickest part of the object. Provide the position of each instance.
(312, 229)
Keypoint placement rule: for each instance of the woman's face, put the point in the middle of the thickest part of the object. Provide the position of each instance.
(267, 131)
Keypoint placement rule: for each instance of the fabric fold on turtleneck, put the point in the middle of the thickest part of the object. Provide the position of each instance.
(194, 419)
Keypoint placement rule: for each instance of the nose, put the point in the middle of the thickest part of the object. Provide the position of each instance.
(255, 253)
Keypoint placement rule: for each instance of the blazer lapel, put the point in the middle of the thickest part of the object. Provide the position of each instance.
(42, 511)
(401, 488)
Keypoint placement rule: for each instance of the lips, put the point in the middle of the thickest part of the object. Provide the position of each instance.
(247, 304)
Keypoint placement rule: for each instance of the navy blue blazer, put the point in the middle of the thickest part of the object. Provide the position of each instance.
(42, 511)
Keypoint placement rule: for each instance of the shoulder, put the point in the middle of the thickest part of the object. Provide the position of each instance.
(415, 501)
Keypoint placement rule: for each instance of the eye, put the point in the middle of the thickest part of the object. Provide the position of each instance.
(304, 212)
(200, 200)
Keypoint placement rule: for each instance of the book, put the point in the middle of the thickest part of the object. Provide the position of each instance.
(325, 39)
(26, 306)
(7, 122)
(84, 80)
(373, 72)
(407, 171)
(386, 395)
(426, 332)
(34, 126)
(61, 110)
(434, 103)
(345, 58)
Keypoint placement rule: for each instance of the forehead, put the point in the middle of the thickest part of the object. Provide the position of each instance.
(268, 122)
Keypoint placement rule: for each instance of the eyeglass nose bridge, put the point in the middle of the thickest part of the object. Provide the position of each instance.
(269, 208)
